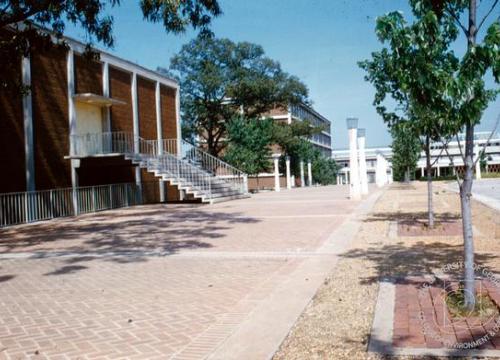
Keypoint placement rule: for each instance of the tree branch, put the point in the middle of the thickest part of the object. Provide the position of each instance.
(23, 15)
(453, 166)
(495, 3)
(489, 139)
(460, 148)
(457, 20)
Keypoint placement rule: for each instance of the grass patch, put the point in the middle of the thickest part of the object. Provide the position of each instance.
(484, 307)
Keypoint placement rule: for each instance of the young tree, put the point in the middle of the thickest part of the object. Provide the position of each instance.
(26, 17)
(221, 79)
(249, 146)
(402, 71)
(405, 149)
(454, 88)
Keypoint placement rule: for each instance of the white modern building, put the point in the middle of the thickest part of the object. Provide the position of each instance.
(341, 157)
(444, 166)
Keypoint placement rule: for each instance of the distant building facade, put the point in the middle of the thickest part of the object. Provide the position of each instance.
(302, 112)
(341, 157)
(442, 164)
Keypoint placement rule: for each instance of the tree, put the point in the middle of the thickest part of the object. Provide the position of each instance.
(324, 170)
(293, 140)
(413, 72)
(26, 17)
(405, 149)
(456, 92)
(221, 79)
(249, 146)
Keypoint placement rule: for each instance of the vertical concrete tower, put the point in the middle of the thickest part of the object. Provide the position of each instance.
(363, 176)
(355, 188)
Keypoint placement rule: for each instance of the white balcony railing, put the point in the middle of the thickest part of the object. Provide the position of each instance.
(160, 156)
(26, 207)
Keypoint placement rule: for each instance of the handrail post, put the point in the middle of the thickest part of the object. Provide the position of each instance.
(245, 183)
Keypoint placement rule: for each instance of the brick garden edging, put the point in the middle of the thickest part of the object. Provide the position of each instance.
(398, 328)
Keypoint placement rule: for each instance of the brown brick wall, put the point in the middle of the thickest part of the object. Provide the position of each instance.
(264, 183)
(147, 108)
(168, 115)
(121, 115)
(50, 119)
(88, 76)
(12, 141)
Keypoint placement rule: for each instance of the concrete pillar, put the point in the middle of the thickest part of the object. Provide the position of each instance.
(438, 170)
(28, 126)
(363, 176)
(106, 92)
(288, 176)
(302, 179)
(422, 171)
(159, 132)
(355, 188)
(379, 176)
(309, 173)
(276, 158)
(478, 165)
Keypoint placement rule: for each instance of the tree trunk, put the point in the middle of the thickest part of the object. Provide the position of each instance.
(430, 207)
(465, 202)
(466, 187)
(407, 175)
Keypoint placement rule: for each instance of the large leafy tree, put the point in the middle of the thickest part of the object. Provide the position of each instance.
(250, 143)
(454, 88)
(26, 17)
(406, 150)
(221, 79)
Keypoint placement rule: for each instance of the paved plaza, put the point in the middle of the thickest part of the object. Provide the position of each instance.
(171, 281)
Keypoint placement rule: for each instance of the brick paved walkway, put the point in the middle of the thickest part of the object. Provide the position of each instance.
(157, 281)
(422, 319)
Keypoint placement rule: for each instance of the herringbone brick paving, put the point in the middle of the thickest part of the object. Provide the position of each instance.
(146, 304)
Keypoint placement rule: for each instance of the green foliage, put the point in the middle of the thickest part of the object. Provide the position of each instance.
(406, 150)
(293, 139)
(91, 16)
(324, 170)
(249, 144)
(221, 79)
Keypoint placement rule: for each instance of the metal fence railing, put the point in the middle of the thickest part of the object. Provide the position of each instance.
(26, 207)
(167, 156)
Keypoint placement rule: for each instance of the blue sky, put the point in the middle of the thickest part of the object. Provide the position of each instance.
(319, 41)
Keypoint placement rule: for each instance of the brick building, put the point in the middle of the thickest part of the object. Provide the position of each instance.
(87, 123)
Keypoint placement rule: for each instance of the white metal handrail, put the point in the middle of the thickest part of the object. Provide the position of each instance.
(26, 207)
(163, 156)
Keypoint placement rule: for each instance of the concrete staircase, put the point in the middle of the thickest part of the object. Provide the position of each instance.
(181, 164)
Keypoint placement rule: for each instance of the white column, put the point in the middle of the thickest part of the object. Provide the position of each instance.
(379, 177)
(438, 170)
(276, 158)
(70, 72)
(106, 93)
(309, 173)
(355, 188)
(28, 126)
(159, 136)
(288, 177)
(178, 120)
(135, 119)
(363, 176)
(478, 165)
(422, 171)
(302, 179)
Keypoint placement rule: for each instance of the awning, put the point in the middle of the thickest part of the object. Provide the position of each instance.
(98, 100)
